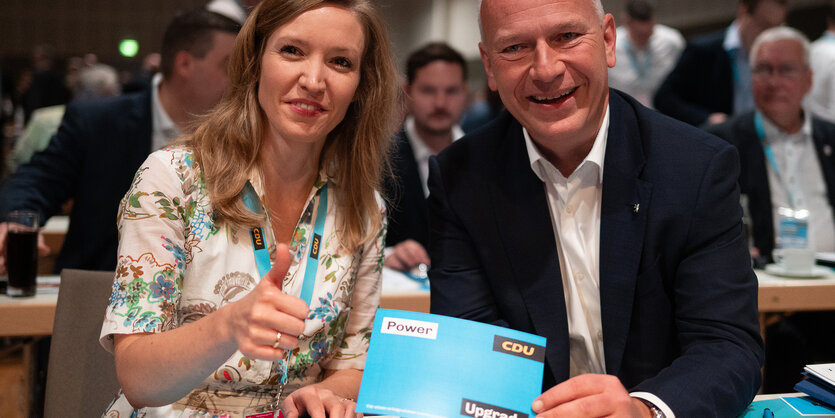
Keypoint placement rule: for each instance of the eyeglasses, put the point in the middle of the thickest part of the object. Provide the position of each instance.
(763, 71)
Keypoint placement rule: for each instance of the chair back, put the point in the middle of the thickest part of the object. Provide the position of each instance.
(81, 376)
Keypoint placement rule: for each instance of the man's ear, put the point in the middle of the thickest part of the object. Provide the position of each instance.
(183, 63)
(610, 39)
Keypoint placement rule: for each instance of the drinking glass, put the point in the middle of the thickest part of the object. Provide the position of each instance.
(22, 252)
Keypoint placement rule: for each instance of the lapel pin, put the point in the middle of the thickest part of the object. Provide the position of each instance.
(635, 207)
(827, 150)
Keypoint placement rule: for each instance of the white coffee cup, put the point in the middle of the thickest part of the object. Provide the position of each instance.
(795, 260)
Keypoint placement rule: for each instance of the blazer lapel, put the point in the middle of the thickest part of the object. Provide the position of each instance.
(823, 148)
(524, 223)
(622, 222)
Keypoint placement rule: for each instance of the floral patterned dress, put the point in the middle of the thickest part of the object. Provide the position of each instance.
(175, 266)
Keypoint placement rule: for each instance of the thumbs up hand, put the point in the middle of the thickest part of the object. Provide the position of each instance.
(268, 321)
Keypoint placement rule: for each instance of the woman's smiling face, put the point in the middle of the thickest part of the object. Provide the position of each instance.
(310, 71)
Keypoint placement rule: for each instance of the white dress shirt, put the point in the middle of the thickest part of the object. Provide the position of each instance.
(163, 129)
(574, 204)
(639, 72)
(422, 151)
(821, 99)
(798, 170)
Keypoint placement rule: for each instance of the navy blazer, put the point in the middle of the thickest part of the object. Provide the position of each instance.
(753, 176)
(678, 295)
(406, 209)
(701, 83)
(91, 159)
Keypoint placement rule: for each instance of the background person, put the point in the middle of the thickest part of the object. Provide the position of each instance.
(94, 82)
(712, 79)
(800, 142)
(821, 99)
(611, 230)
(296, 148)
(436, 94)
(646, 52)
(94, 155)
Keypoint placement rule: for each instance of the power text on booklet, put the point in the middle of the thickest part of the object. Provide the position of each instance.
(423, 365)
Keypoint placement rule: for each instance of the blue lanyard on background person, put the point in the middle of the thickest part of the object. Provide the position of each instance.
(641, 69)
(769, 155)
(259, 247)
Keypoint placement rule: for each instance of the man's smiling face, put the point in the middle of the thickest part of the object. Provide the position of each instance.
(549, 61)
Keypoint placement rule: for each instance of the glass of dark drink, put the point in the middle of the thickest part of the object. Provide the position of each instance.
(22, 252)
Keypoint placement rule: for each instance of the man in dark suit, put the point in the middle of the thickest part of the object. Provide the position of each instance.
(799, 174)
(100, 144)
(584, 217)
(436, 92)
(712, 78)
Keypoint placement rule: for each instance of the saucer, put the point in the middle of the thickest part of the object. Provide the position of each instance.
(778, 270)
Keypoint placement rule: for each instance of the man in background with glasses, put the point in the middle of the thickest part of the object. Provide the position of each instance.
(786, 160)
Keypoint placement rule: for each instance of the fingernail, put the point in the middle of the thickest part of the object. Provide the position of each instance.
(537, 406)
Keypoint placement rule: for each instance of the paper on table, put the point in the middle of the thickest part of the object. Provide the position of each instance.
(48, 284)
(826, 259)
(825, 372)
(787, 406)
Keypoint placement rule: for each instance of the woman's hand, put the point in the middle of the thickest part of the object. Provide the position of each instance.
(318, 402)
(267, 321)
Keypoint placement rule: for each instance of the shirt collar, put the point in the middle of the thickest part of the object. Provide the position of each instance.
(595, 156)
(162, 124)
(419, 148)
(773, 134)
(732, 40)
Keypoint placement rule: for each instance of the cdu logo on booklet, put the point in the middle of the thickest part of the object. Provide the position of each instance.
(519, 348)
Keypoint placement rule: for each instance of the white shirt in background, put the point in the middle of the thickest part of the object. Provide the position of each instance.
(639, 72)
(422, 151)
(163, 129)
(821, 99)
(799, 171)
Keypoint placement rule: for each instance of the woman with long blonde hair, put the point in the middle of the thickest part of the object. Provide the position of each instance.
(250, 252)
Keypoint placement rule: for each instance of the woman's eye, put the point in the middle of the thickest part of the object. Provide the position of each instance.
(343, 62)
(289, 49)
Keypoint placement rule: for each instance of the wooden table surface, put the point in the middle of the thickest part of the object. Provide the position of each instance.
(34, 316)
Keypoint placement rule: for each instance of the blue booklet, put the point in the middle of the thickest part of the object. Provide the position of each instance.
(422, 365)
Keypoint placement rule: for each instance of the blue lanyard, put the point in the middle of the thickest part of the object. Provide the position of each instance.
(769, 154)
(262, 255)
(641, 69)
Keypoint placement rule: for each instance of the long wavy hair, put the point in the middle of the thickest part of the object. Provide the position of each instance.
(227, 141)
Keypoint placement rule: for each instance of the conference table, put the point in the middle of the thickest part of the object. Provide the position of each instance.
(34, 316)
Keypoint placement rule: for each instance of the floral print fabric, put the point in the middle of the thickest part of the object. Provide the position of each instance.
(175, 266)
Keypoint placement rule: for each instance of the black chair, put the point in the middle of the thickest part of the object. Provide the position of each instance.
(81, 377)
